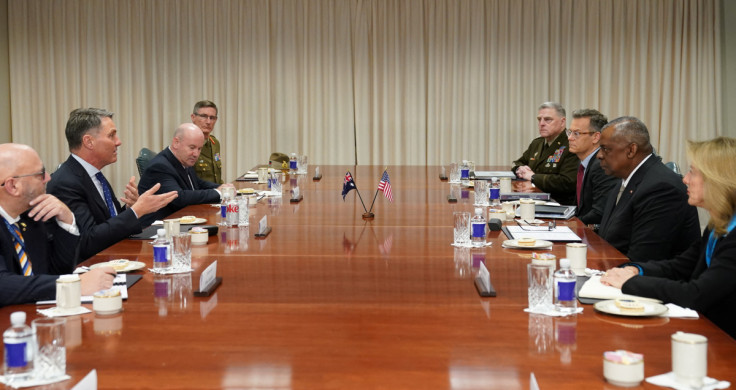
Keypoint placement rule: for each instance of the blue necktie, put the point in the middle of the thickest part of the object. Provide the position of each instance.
(108, 194)
(20, 248)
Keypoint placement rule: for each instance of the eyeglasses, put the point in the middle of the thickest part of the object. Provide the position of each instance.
(577, 133)
(205, 116)
(41, 173)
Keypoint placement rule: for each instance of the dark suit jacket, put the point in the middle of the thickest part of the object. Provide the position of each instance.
(555, 168)
(73, 186)
(687, 281)
(52, 252)
(164, 168)
(652, 221)
(594, 193)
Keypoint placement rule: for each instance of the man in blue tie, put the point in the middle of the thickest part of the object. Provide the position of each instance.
(79, 183)
(38, 235)
(173, 168)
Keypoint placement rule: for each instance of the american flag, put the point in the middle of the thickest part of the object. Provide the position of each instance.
(347, 185)
(385, 186)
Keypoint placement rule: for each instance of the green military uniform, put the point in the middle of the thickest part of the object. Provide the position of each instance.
(555, 168)
(209, 165)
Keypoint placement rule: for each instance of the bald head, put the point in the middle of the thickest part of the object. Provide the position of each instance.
(187, 143)
(22, 177)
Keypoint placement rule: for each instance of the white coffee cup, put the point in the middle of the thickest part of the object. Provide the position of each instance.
(689, 358)
(68, 293)
(172, 227)
(527, 212)
(505, 185)
(577, 253)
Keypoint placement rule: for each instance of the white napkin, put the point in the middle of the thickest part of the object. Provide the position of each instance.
(470, 245)
(33, 381)
(668, 380)
(679, 312)
(54, 312)
(552, 312)
(170, 270)
(593, 288)
(157, 223)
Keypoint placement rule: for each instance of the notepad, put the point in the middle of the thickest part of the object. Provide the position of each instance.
(557, 234)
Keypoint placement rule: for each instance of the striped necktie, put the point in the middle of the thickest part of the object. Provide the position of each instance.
(108, 194)
(20, 248)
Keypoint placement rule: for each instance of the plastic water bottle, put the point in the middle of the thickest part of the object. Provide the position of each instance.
(495, 194)
(293, 164)
(20, 347)
(478, 228)
(243, 211)
(233, 212)
(161, 251)
(465, 173)
(565, 279)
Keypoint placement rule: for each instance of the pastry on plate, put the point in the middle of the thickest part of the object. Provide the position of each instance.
(629, 305)
(526, 241)
(188, 219)
(119, 264)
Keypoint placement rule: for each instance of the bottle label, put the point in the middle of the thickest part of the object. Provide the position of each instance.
(223, 210)
(464, 173)
(479, 230)
(15, 354)
(495, 193)
(233, 208)
(565, 290)
(160, 253)
(292, 164)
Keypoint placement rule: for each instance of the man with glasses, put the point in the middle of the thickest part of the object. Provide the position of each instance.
(592, 184)
(79, 183)
(647, 216)
(38, 233)
(548, 162)
(209, 165)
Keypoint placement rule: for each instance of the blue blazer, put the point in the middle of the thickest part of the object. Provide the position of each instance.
(164, 168)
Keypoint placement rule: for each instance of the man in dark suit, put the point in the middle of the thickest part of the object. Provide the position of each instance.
(79, 183)
(647, 217)
(592, 184)
(173, 169)
(34, 253)
(548, 163)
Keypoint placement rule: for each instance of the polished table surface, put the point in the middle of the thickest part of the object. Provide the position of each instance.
(331, 301)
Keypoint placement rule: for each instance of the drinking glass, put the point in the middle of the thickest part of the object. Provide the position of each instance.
(50, 360)
(276, 183)
(462, 227)
(454, 173)
(540, 287)
(182, 250)
(303, 165)
(481, 193)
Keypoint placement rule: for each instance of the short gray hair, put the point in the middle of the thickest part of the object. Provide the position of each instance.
(81, 122)
(633, 130)
(597, 120)
(554, 105)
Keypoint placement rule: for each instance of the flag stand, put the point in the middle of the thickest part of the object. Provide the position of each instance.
(368, 216)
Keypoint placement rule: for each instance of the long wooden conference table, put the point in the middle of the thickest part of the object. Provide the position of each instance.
(331, 301)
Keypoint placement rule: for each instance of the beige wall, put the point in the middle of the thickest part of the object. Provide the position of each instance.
(4, 75)
(729, 64)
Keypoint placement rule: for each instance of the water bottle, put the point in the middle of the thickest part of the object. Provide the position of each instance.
(564, 280)
(465, 173)
(495, 194)
(19, 349)
(243, 211)
(292, 164)
(478, 229)
(233, 212)
(161, 251)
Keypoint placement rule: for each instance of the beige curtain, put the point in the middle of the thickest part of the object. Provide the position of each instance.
(393, 82)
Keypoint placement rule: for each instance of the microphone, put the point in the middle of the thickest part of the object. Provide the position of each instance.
(494, 224)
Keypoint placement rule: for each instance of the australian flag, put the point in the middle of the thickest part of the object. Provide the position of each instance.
(347, 185)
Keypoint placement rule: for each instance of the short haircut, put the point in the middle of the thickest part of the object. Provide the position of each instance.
(83, 121)
(597, 120)
(719, 197)
(556, 106)
(633, 130)
(203, 104)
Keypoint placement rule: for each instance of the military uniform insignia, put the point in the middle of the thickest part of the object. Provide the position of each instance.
(555, 158)
(23, 226)
(217, 156)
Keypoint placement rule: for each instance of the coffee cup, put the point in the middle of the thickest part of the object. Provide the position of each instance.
(68, 293)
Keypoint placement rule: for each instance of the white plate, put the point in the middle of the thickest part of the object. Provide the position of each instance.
(132, 266)
(243, 191)
(536, 201)
(650, 309)
(537, 245)
(533, 222)
(196, 221)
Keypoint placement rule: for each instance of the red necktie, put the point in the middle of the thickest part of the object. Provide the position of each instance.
(579, 184)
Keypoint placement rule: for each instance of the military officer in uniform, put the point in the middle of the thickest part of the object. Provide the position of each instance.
(209, 165)
(548, 162)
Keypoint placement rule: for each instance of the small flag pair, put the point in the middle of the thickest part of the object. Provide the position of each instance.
(384, 185)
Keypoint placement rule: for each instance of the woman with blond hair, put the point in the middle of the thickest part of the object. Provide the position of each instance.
(703, 277)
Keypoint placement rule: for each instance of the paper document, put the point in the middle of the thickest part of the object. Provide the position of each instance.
(559, 233)
(491, 174)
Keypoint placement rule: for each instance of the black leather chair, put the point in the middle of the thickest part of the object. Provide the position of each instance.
(144, 156)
